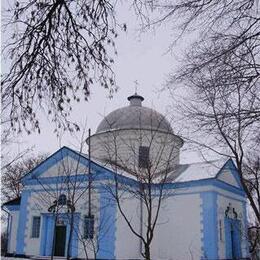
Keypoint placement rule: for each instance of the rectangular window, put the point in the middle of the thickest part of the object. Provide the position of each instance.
(36, 227)
(89, 227)
(143, 157)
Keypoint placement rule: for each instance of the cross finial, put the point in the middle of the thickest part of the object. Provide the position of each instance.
(136, 86)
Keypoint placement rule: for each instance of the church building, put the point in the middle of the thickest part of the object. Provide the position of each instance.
(129, 187)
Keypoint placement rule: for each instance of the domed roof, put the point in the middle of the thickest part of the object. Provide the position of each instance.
(135, 116)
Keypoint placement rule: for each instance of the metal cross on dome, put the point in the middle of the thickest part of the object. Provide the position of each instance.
(136, 86)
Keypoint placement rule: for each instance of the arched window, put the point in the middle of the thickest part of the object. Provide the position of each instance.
(62, 199)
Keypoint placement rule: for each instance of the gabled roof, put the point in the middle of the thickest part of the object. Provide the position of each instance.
(55, 158)
(101, 171)
(204, 171)
(224, 170)
(198, 171)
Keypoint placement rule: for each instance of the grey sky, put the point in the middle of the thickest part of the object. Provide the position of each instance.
(142, 57)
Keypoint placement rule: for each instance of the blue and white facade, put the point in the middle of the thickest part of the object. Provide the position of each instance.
(203, 216)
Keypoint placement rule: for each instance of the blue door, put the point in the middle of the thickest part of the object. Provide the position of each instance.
(232, 238)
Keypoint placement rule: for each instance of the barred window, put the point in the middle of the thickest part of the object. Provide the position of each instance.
(36, 227)
(143, 157)
(89, 227)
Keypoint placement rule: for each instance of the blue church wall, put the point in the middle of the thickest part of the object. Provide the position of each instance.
(20, 238)
(210, 225)
(44, 232)
(211, 230)
(108, 208)
(47, 234)
(107, 225)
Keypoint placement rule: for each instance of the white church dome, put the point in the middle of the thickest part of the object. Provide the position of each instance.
(134, 116)
(133, 135)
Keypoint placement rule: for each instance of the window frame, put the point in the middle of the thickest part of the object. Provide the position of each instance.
(88, 227)
(143, 157)
(36, 229)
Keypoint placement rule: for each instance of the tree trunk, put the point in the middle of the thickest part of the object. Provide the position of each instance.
(147, 253)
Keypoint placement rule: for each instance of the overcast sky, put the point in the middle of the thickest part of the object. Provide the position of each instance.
(142, 57)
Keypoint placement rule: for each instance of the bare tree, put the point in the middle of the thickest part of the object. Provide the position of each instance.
(252, 180)
(148, 170)
(252, 176)
(222, 115)
(218, 79)
(225, 48)
(58, 49)
(9, 140)
(225, 28)
(89, 245)
(254, 238)
(12, 174)
(229, 114)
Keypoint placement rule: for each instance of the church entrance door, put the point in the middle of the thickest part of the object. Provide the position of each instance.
(60, 240)
(233, 239)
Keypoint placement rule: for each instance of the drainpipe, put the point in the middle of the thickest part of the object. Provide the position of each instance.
(89, 175)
